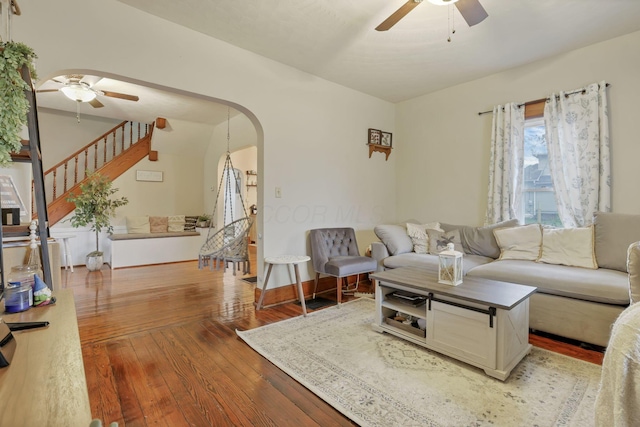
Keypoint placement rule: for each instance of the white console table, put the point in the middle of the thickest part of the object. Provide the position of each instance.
(484, 323)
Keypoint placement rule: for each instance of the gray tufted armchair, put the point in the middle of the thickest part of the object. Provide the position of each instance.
(334, 251)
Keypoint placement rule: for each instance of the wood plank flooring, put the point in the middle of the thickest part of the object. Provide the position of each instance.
(160, 348)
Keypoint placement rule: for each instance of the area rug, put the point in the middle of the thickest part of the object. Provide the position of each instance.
(380, 380)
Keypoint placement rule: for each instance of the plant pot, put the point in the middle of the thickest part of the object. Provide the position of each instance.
(94, 261)
(203, 224)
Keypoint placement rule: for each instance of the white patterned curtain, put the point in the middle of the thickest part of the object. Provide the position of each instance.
(577, 133)
(507, 164)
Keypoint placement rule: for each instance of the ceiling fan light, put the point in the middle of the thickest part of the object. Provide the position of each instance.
(79, 93)
(442, 2)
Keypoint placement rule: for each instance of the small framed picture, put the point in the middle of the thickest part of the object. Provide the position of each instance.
(375, 136)
(153, 176)
(386, 139)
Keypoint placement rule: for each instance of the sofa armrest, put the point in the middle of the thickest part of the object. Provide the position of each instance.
(379, 252)
(633, 267)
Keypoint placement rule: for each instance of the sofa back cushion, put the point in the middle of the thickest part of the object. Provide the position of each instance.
(395, 238)
(614, 233)
(481, 240)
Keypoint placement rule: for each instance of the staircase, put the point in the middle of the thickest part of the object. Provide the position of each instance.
(111, 155)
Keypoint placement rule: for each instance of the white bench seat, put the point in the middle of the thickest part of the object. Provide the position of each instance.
(129, 250)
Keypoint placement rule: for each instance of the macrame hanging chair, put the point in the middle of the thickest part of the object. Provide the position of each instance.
(230, 244)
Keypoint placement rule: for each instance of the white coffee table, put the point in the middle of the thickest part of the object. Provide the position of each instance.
(482, 322)
(285, 260)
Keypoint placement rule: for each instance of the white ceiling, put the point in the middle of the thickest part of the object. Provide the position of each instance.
(153, 102)
(336, 40)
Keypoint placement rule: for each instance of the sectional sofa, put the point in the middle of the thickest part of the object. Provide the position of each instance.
(581, 274)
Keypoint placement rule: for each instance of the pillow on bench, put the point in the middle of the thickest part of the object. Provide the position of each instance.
(158, 224)
(176, 223)
(138, 224)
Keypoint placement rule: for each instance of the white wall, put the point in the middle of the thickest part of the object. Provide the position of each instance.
(311, 134)
(443, 146)
(61, 135)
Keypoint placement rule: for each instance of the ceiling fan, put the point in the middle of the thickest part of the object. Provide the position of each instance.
(471, 10)
(80, 88)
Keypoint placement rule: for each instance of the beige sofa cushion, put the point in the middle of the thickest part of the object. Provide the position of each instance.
(601, 285)
(614, 233)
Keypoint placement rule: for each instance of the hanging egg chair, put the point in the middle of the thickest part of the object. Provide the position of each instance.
(229, 244)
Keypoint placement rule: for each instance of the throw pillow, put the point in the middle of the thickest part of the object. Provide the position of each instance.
(176, 223)
(481, 241)
(418, 235)
(568, 246)
(158, 224)
(438, 240)
(138, 224)
(519, 242)
(395, 238)
(190, 222)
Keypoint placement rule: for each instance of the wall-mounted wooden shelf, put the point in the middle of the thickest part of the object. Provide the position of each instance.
(381, 149)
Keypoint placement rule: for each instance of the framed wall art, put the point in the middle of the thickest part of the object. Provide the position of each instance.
(375, 136)
(152, 176)
(386, 138)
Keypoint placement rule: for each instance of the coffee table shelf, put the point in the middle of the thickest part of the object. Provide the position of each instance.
(481, 322)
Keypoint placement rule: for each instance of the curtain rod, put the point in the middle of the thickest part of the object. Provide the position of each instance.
(543, 99)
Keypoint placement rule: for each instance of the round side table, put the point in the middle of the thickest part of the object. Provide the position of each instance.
(285, 260)
(66, 249)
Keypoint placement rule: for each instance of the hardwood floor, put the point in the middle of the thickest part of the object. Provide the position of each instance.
(160, 348)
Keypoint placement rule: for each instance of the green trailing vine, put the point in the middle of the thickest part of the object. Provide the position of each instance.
(13, 102)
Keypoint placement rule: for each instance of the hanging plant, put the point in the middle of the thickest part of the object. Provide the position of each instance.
(13, 102)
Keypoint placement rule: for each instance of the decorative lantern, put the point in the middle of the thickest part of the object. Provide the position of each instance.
(450, 266)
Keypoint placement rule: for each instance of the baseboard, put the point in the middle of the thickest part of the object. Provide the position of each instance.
(288, 293)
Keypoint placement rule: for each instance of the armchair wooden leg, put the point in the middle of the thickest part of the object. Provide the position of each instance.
(339, 289)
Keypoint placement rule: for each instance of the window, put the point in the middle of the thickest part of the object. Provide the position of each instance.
(538, 198)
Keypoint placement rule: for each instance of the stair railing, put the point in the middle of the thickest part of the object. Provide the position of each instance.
(72, 170)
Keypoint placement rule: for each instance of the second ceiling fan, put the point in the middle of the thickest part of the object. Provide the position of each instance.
(471, 10)
(80, 88)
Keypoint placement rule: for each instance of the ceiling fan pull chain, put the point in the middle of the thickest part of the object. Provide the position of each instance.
(78, 111)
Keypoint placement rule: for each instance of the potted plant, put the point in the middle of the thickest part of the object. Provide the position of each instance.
(13, 102)
(94, 207)
(203, 221)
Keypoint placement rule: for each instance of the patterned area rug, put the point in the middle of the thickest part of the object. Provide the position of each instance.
(379, 380)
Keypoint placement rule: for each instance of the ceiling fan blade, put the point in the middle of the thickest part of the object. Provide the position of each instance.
(120, 95)
(95, 103)
(398, 15)
(47, 90)
(472, 11)
(57, 81)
